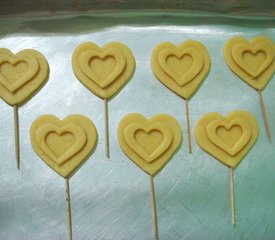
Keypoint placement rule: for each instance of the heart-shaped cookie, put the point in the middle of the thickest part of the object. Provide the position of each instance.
(229, 138)
(63, 145)
(103, 70)
(182, 68)
(149, 143)
(21, 74)
(253, 61)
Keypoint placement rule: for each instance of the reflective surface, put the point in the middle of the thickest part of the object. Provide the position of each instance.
(110, 198)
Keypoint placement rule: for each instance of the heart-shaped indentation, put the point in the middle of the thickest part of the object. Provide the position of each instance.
(63, 145)
(181, 65)
(103, 67)
(104, 71)
(149, 143)
(182, 68)
(253, 61)
(21, 75)
(17, 71)
(229, 138)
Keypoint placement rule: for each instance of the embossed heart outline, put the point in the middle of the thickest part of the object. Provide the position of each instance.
(189, 75)
(68, 167)
(187, 90)
(87, 56)
(112, 87)
(202, 137)
(239, 50)
(129, 134)
(23, 89)
(264, 74)
(75, 130)
(32, 70)
(151, 167)
(241, 142)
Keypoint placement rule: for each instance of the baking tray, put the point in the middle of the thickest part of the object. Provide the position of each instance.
(110, 198)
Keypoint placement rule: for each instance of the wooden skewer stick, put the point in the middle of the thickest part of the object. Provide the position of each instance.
(188, 126)
(154, 211)
(264, 115)
(68, 203)
(16, 135)
(107, 147)
(231, 173)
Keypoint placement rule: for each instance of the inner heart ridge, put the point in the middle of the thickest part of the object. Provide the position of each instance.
(253, 59)
(190, 63)
(61, 143)
(17, 70)
(149, 142)
(233, 136)
(153, 136)
(102, 66)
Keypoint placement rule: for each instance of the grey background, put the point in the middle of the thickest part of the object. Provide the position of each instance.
(49, 7)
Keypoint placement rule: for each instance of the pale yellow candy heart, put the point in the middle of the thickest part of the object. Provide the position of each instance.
(63, 145)
(253, 61)
(103, 70)
(182, 68)
(229, 138)
(21, 75)
(149, 143)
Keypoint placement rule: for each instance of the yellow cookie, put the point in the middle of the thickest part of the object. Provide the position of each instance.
(229, 138)
(63, 145)
(253, 61)
(21, 75)
(182, 68)
(149, 143)
(103, 70)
